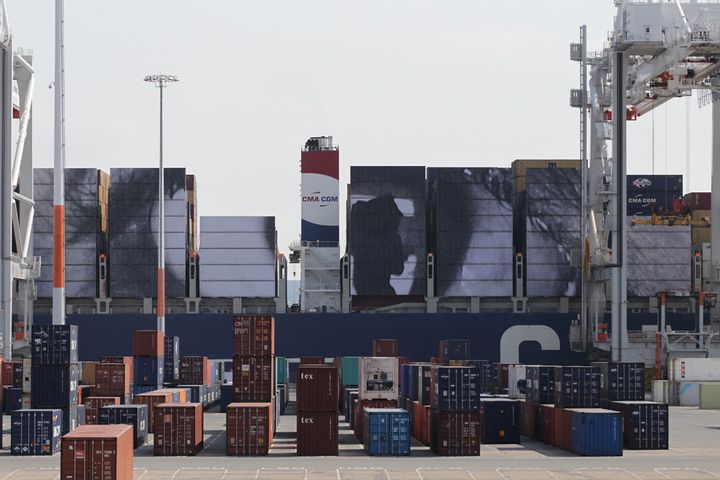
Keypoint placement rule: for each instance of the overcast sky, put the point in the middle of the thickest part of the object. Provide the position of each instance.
(413, 82)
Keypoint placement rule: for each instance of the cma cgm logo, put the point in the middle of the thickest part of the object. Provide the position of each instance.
(642, 182)
(322, 200)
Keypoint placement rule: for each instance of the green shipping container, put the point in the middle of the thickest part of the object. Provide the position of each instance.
(280, 370)
(709, 396)
(349, 371)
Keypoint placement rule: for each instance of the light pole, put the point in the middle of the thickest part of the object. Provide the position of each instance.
(58, 313)
(161, 81)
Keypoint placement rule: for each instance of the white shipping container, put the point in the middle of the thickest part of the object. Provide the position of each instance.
(516, 381)
(378, 378)
(694, 370)
(26, 376)
(660, 391)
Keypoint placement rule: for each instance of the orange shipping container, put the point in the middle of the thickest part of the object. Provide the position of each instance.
(152, 400)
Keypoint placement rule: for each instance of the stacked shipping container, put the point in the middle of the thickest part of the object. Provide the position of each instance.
(149, 350)
(378, 387)
(456, 420)
(317, 410)
(171, 372)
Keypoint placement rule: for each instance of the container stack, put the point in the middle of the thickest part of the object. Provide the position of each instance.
(89, 446)
(148, 350)
(196, 374)
(178, 429)
(171, 372)
(55, 372)
(250, 416)
(133, 415)
(538, 410)
(317, 410)
(12, 383)
(93, 405)
(416, 385)
(116, 379)
(378, 379)
(456, 420)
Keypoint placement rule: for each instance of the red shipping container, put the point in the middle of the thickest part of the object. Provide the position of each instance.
(253, 379)
(528, 413)
(563, 429)
(84, 392)
(502, 377)
(317, 388)
(385, 348)
(12, 374)
(195, 371)
(178, 429)
(112, 379)
(698, 201)
(312, 360)
(547, 415)
(421, 422)
(148, 343)
(253, 335)
(359, 416)
(317, 434)
(249, 429)
(93, 406)
(97, 452)
(353, 424)
(152, 400)
(126, 360)
(456, 434)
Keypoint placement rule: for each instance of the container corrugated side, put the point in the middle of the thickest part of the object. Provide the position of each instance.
(317, 433)
(97, 448)
(596, 432)
(387, 432)
(349, 367)
(35, 432)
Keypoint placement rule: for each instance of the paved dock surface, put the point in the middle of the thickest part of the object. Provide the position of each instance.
(694, 455)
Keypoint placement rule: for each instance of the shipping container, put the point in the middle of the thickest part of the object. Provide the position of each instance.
(387, 432)
(455, 389)
(152, 400)
(621, 381)
(709, 396)
(645, 424)
(349, 368)
(409, 374)
(281, 397)
(11, 399)
(487, 372)
(454, 350)
(455, 434)
(502, 371)
(281, 370)
(694, 369)
(54, 345)
(179, 395)
(178, 429)
(198, 394)
(317, 434)
(563, 425)
(540, 384)
(421, 419)
(252, 379)
(517, 381)
(352, 396)
(312, 360)
(54, 386)
(12, 374)
(27, 376)
(93, 406)
(548, 428)
(94, 452)
(655, 183)
(133, 415)
(87, 373)
(138, 389)
(596, 432)
(125, 360)
(112, 379)
(195, 371)
(378, 378)
(385, 348)
(253, 335)
(500, 420)
(69, 418)
(359, 417)
(317, 388)
(425, 383)
(148, 343)
(81, 411)
(529, 419)
(226, 394)
(249, 429)
(35, 432)
(171, 372)
(149, 371)
(698, 200)
(577, 387)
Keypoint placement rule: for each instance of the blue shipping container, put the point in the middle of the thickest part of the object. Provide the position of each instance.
(138, 389)
(387, 431)
(148, 370)
(12, 399)
(198, 393)
(226, 394)
(135, 415)
(35, 432)
(456, 389)
(69, 419)
(500, 420)
(54, 386)
(54, 345)
(172, 360)
(597, 432)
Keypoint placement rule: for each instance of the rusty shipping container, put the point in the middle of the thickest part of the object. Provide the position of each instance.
(529, 415)
(148, 343)
(385, 348)
(253, 335)
(93, 406)
(421, 422)
(129, 361)
(359, 415)
(178, 429)
(253, 379)
(97, 452)
(455, 434)
(317, 388)
(317, 434)
(152, 400)
(249, 429)
(195, 371)
(112, 379)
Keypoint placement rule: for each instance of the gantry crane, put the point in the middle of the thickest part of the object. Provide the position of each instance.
(657, 51)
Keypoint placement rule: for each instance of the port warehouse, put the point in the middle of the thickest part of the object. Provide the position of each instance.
(418, 240)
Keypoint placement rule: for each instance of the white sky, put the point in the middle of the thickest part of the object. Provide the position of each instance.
(411, 82)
